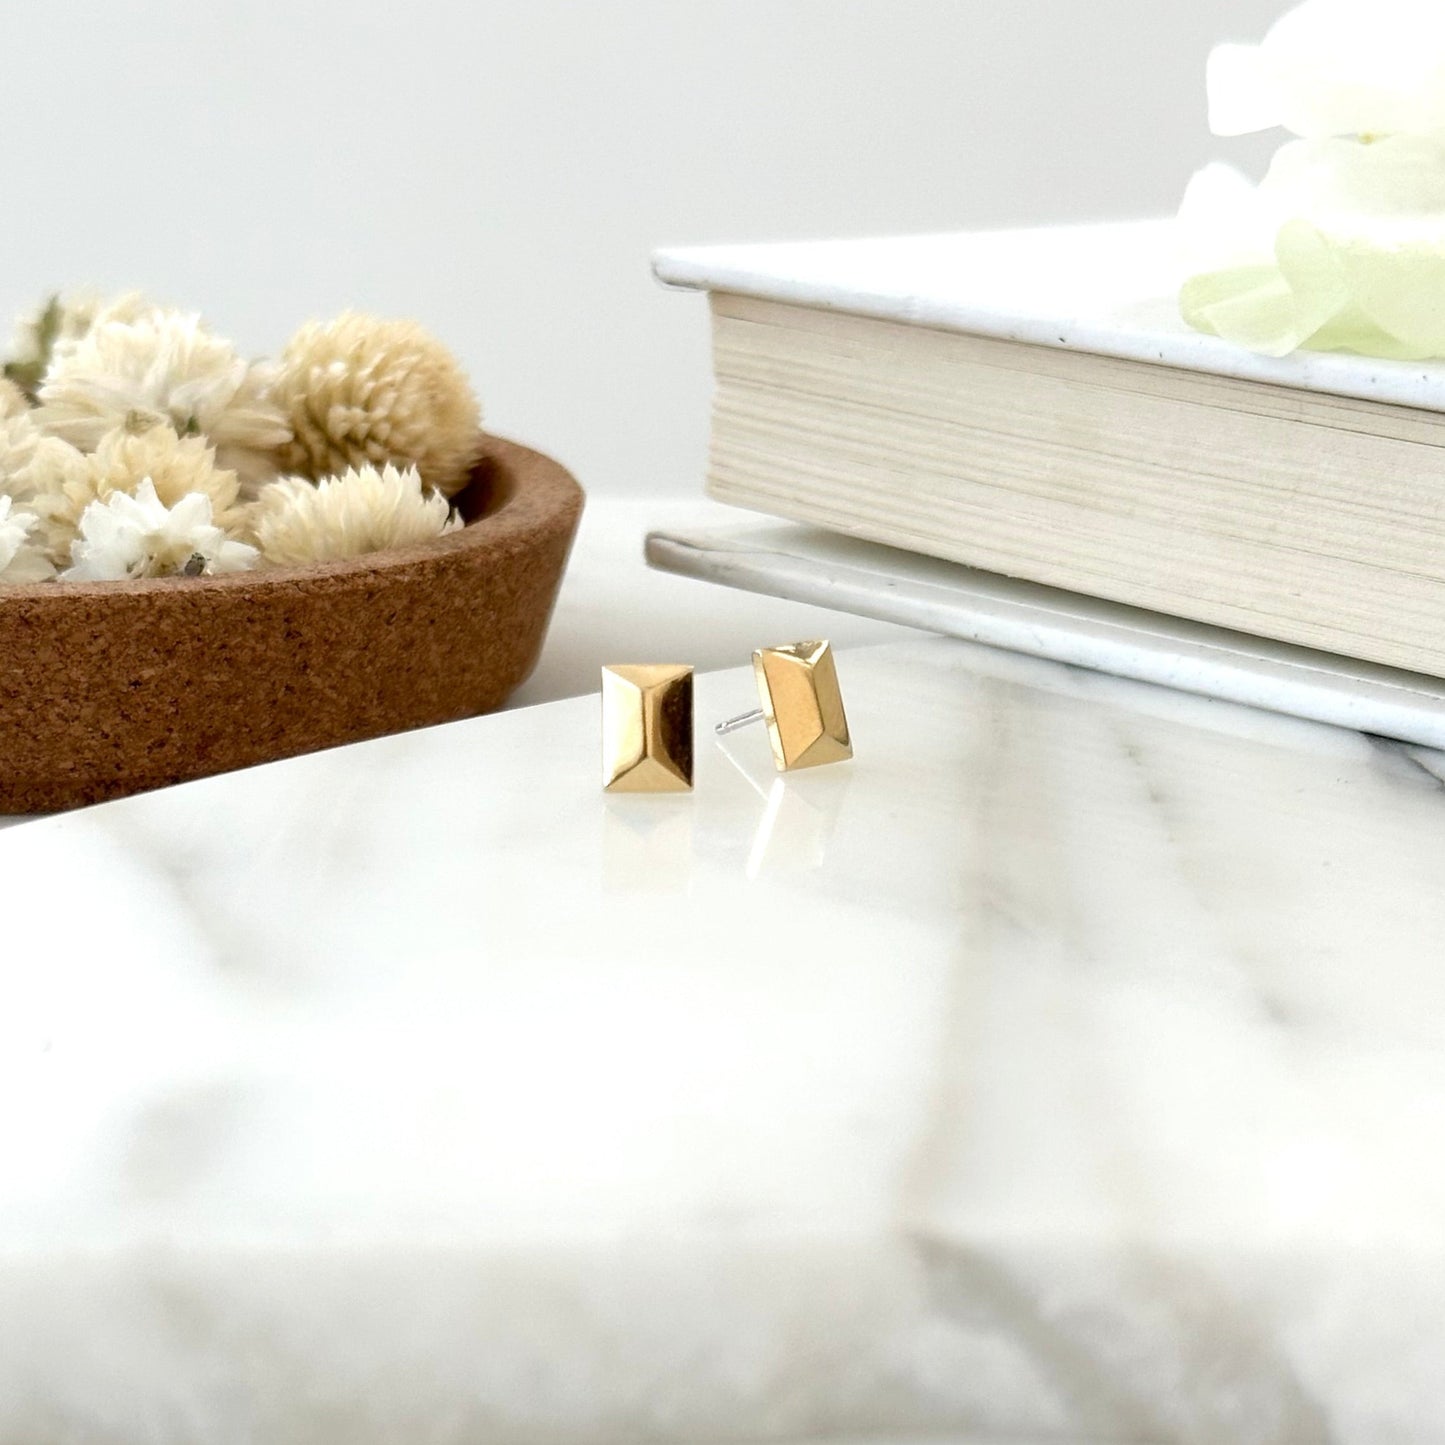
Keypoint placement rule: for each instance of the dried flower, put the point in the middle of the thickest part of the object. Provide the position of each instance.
(359, 391)
(163, 367)
(58, 325)
(52, 466)
(19, 437)
(13, 401)
(127, 536)
(54, 470)
(365, 510)
(19, 561)
(175, 467)
(35, 339)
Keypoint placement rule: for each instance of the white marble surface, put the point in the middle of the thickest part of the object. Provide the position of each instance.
(1071, 1065)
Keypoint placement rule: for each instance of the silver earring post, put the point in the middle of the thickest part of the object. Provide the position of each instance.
(746, 719)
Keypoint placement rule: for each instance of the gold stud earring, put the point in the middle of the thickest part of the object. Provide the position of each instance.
(647, 729)
(801, 704)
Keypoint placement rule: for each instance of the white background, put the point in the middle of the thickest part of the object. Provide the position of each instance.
(501, 171)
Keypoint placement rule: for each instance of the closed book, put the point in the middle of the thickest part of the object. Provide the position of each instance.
(1030, 403)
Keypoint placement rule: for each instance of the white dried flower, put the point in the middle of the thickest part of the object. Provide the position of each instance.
(1336, 68)
(19, 560)
(361, 391)
(296, 521)
(174, 466)
(126, 537)
(164, 367)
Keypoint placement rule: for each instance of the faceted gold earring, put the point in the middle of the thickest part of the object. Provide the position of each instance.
(801, 704)
(647, 729)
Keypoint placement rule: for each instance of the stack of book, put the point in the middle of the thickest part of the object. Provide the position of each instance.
(1013, 437)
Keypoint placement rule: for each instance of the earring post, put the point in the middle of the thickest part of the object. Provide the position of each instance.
(746, 719)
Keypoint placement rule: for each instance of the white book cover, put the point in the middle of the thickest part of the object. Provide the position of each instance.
(1108, 289)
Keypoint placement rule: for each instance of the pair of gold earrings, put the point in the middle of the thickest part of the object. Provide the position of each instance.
(647, 729)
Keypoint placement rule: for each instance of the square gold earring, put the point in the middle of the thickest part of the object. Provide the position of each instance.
(647, 728)
(802, 705)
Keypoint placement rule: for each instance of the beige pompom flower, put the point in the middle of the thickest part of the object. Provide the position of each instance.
(55, 470)
(175, 466)
(163, 367)
(359, 391)
(13, 401)
(20, 561)
(296, 521)
(19, 437)
(51, 466)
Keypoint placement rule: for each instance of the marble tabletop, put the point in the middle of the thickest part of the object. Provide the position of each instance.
(1068, 1066)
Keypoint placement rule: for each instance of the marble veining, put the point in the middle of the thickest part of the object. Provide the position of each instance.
(1069, 1066)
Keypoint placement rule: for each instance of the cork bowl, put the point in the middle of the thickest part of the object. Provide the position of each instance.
(115, 688)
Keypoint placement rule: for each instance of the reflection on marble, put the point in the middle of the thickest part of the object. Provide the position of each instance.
(798, 810)
(1070, 1065)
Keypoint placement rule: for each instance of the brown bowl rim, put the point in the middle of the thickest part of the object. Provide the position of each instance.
(523, 486)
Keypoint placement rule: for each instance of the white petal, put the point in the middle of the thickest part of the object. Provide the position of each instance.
(232, 557)
(101, 525)
(1223, 221)
(1243, 90)
(1336, 67)
(192, 511)
(96, 564)
(1344, 183)
(145, 496)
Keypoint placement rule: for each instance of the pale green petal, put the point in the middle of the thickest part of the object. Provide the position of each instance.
(1312, 269)
(1402, 291)
(1359, 251)
(1342, 245)
(1248, 305)
(1326, 295)
(1271, 309)
(1352, 330)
